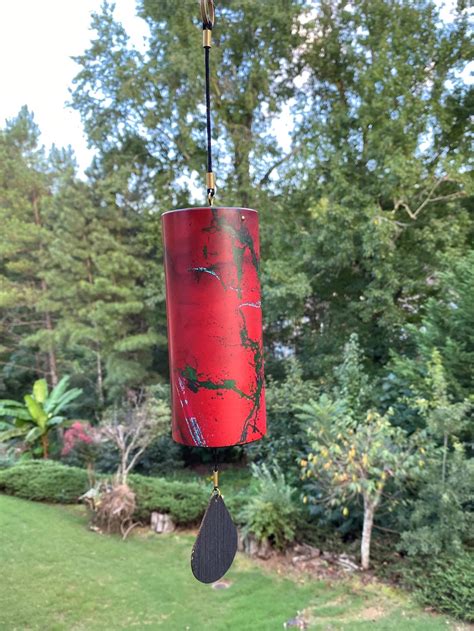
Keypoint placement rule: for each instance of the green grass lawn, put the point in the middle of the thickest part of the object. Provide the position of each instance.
(56, 574)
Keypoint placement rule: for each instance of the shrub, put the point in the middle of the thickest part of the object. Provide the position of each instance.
(441, 518)
(270, 512)
(447, 584)
(161, 457)
(184, 501)
(51, 481)
(44, 480)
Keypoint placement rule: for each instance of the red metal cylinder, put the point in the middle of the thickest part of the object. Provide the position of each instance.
(214, 325)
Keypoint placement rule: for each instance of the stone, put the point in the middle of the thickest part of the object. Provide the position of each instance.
(264, 549)
(240, 541)
(162, 523)
(306, 550)
(251, 545)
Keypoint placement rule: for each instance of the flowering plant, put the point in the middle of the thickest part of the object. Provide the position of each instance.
(83, 439)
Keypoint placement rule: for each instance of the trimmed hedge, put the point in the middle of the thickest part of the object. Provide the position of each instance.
(44, 481)
(50, 481)
(184, 501)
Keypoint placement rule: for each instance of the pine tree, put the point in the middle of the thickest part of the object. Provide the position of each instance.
(27, 317)
(97, 285)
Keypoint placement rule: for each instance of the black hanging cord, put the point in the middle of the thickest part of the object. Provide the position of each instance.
(208, 111)
(207, 15)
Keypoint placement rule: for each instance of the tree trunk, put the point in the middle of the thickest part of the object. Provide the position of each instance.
(98, 355)
(369, 510)
(100, 379)
(242, 140)
(48, 322)
(91, 473)
(45, 446)
(242, 164)
(122, 472)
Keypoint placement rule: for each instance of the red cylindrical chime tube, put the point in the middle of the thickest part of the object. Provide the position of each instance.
(214, 325)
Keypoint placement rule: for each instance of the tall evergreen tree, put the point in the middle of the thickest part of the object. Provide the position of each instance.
(27, 316)
(97, 279)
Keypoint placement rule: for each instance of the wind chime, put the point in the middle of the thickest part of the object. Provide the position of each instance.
(215, 337)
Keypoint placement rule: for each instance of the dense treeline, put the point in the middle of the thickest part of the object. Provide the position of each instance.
(360, 219)
(366, 228)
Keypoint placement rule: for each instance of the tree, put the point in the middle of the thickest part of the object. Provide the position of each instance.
(27, 321)
(448, 325)
(97, 284)
(141, 109)
(354, 450)
(359, 214)
(378, 191)
(286, 436)
(41, 412)
(349, 462)
(132, 428)
(441, 518)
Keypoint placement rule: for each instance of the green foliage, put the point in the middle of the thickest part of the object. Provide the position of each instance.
(95, 280)
(26, 329)
(72, 295)
(441, 517)
(447, 584)
(354, 454)
(448, 324)
(162, 456)
(184, 501)
(354, 449)
(346, 462)
(41, 412)
(286, 431)
(270, 511)
(378, 199)
(49, 481)
(6, 460)
(125, 96)
(44, 481)
(352, 384)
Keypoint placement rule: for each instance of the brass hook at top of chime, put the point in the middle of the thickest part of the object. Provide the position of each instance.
(210, 198)
(211, 187)
(207, 13)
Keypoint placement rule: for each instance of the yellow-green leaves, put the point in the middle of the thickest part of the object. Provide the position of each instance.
(40, 390)
(36, 410)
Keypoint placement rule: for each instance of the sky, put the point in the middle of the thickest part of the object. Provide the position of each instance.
(37, 40)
